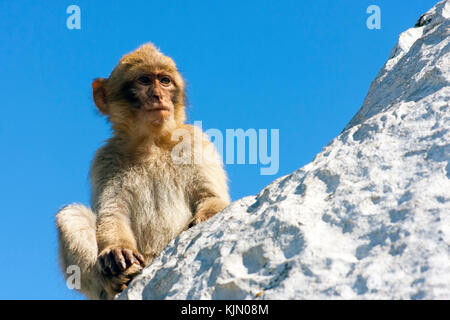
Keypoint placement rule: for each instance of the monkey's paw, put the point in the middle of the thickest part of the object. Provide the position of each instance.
(199, 218)
(118, 266)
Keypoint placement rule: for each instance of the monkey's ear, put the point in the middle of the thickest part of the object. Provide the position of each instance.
(99, 93)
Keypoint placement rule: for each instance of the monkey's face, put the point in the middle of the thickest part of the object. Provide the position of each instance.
(143, 93)
(151, 97)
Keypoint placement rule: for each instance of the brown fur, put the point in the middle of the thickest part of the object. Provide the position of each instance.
(141, 197)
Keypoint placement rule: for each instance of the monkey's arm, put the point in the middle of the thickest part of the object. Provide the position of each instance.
(119, 259)
(113, 226)
(109, 202)
(113, 218)
(210, 189)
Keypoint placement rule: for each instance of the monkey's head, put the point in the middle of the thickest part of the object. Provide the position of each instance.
(144, 93)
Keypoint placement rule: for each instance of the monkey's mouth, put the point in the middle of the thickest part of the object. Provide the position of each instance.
(158, 109)
(156, 113)
(155, 107)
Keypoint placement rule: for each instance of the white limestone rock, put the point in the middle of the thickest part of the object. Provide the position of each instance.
(368, 218)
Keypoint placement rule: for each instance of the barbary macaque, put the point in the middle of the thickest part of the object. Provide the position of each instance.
(142, 195)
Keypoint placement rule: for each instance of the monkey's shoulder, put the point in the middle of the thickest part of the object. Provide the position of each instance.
(108, 156)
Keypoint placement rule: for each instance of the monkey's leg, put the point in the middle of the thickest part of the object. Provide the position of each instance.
(78, 247)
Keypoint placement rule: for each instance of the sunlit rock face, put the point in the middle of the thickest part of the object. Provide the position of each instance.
(368, 218)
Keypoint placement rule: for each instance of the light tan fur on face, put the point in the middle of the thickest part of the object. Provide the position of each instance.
(141, 198)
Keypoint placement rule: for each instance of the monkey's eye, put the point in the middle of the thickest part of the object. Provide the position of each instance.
(144, 80)
(165, 81)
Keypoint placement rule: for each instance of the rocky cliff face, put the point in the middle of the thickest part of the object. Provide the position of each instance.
(369, 218)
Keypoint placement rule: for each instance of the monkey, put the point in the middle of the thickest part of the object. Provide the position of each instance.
(142, 196)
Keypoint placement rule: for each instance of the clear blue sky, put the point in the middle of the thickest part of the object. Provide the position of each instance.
(303, 67)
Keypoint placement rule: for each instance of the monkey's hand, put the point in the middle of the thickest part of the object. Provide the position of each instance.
(118, 266)
(207, 208)
(199, 218)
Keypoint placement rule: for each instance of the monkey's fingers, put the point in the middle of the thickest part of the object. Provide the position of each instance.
(140, 259)
(192, 223)
(101, 264)
(195, 221)
(105, 265)
(201, 217)
(133, 257)
(129, 257)
(119, 259)
(111, 264)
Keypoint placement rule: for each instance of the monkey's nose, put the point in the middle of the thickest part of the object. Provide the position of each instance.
(155, 96)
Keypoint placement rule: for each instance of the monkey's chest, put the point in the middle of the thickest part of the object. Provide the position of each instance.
(158, 205)
(157, 189)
